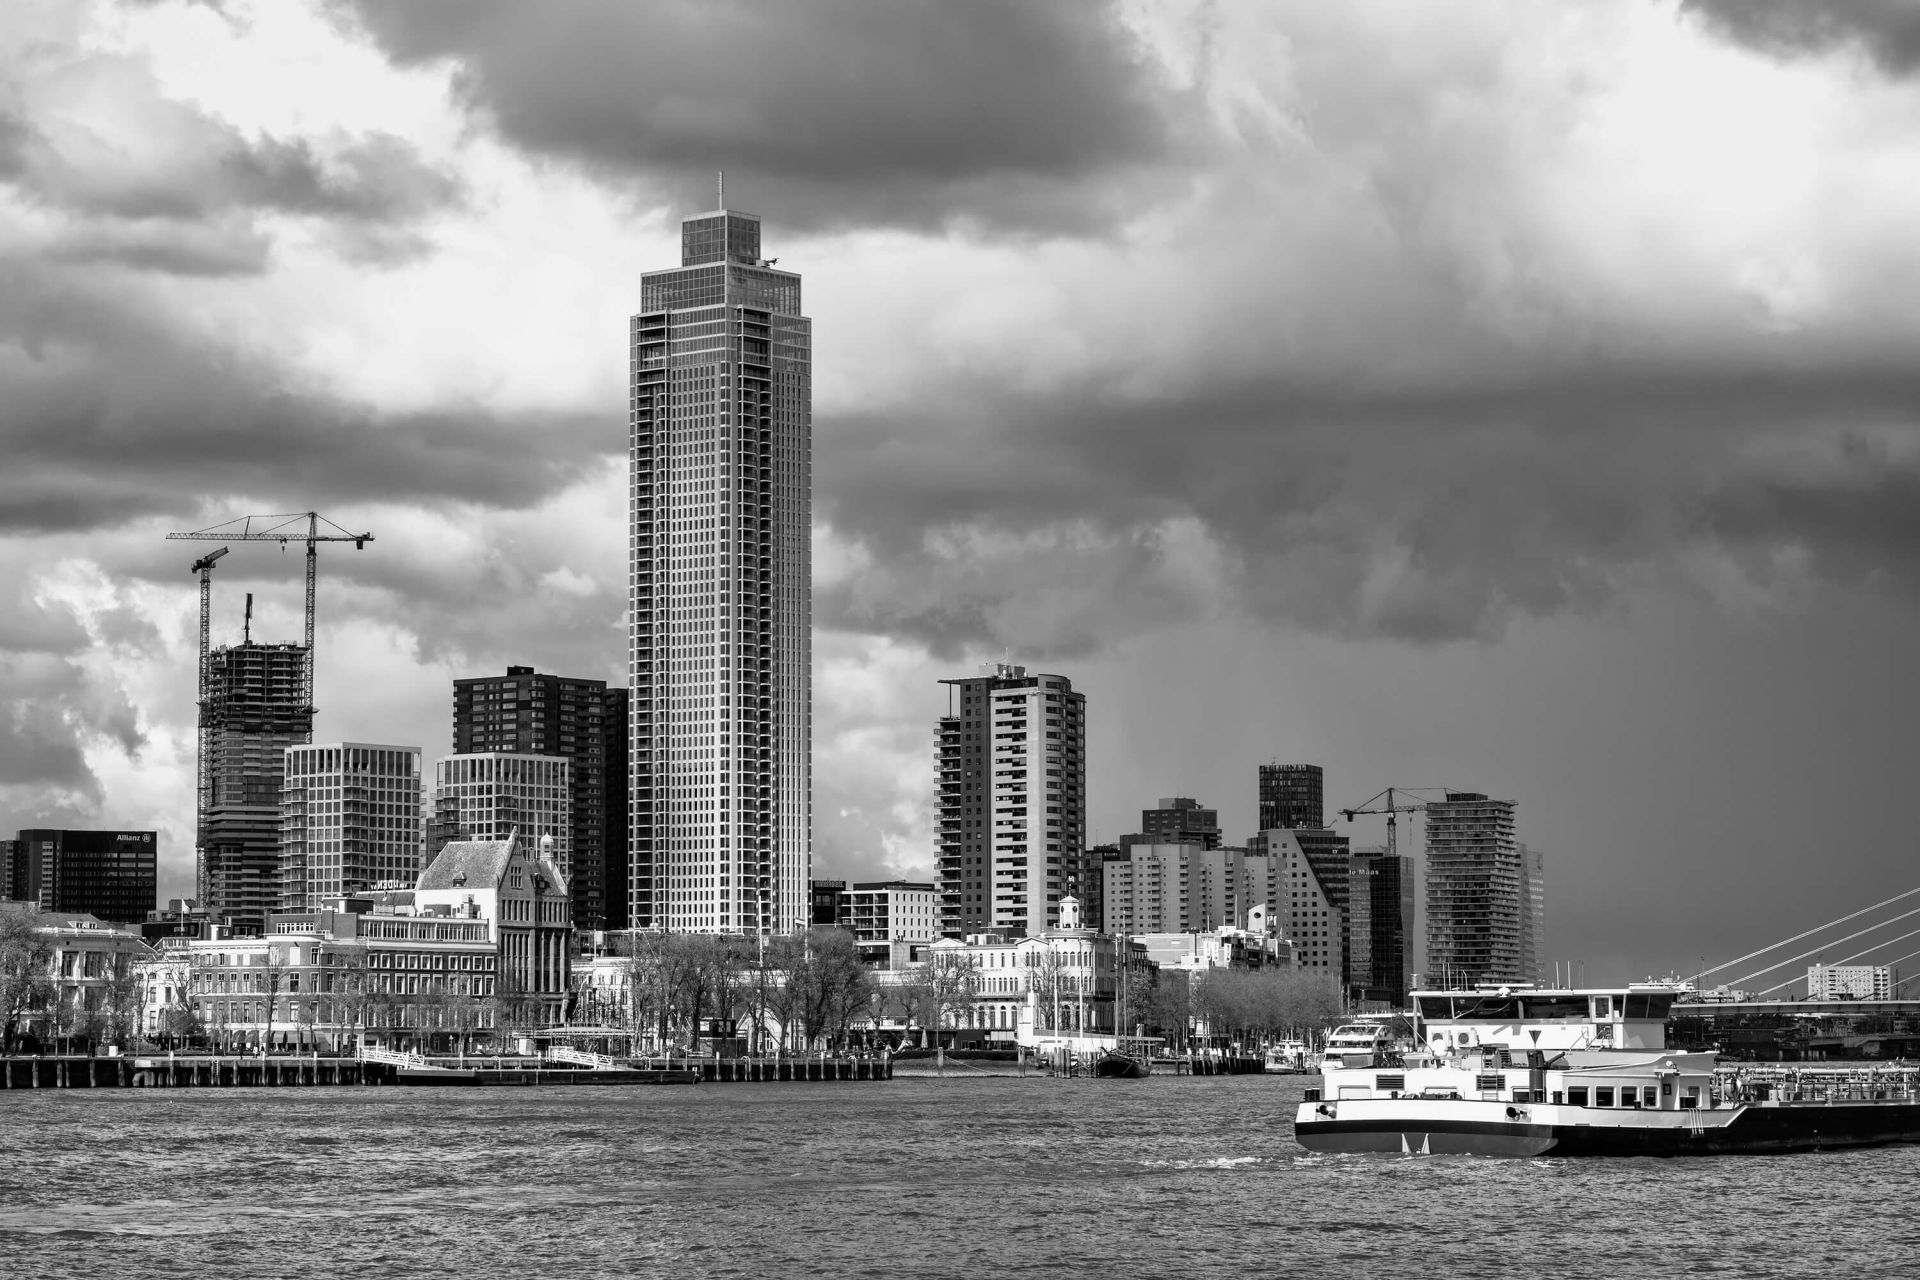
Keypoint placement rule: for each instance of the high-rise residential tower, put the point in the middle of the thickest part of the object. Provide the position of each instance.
(721, 645)
(1291, 795)
(1482, 913)
(349, 821)
(526, 711)
(1013, 808)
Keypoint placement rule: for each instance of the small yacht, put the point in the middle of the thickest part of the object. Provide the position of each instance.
(1523, 1071)
(1286, 1057)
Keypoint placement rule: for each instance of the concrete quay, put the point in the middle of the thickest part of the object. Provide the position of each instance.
(79, 1071)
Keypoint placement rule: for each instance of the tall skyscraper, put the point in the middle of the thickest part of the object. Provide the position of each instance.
(1380, 925)
(1013, 809)
(110, 874)
(1292, 795)
(255, 708)
(1480, 904)
(721, 431)
(490, 795)
(349, 821)
(528, 712)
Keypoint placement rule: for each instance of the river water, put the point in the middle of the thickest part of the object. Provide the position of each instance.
(954, 1177)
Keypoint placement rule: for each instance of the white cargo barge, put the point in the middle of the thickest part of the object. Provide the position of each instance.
(1520, 1071)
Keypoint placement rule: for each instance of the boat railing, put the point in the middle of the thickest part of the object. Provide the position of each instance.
(1734, 1085)
(392, 1057)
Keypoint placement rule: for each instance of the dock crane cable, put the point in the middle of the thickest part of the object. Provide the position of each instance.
(1787, 942)
(1804, 955)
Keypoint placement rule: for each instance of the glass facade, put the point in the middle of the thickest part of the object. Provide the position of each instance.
(1483, 912)
(720, 706)
(349, 821)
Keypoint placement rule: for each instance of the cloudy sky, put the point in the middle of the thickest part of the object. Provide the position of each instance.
(1513, 397)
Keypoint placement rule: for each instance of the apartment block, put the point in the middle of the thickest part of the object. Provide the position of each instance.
(1012, 768)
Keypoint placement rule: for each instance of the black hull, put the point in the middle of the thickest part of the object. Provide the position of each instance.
(1757, 1131)
(1116, 1066)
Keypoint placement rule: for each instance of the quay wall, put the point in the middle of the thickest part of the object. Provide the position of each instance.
(77, 1071)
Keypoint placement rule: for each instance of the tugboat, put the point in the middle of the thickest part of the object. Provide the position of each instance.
(1521, 1071)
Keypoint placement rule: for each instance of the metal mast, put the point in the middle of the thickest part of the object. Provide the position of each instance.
(283, 528)
(204, 798)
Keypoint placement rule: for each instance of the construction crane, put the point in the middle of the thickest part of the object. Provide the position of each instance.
(282, 529)
(203, 567)
(1392, 809)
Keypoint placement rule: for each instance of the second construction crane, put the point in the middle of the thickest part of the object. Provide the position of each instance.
(1392, 808)
(283, 529)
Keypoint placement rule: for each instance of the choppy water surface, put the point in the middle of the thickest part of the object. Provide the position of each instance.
(951, 1177)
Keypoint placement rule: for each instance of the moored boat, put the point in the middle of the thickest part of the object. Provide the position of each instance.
(1119, 1064)
(1521, 1071)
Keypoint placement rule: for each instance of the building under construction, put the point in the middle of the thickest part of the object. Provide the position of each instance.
(254, 707)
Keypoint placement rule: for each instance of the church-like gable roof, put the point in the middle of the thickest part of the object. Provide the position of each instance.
(469, 864)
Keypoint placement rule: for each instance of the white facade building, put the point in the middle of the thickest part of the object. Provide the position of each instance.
(891, 911)
(488, 795)
(1850, 982)
(720, 587)
(349, 820)
(1307, 912)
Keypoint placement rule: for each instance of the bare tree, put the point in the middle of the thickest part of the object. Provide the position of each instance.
(120, 997)
(26, 975)
(272, 979)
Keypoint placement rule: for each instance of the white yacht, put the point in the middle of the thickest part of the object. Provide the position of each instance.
(1524, 1071)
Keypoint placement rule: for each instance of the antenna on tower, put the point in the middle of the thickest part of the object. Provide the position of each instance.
(720, 187)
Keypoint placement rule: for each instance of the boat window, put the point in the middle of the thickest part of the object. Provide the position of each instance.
(1653, 1005)
(1603, 1006)
(1629, 1096)
(1603, 1096)
(1435, 1007)
(1488, 1008)
(1648, 1097)
(1690, 1097)
(1577, 1097)
(1555, 1008)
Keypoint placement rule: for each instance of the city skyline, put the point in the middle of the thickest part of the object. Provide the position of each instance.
(1530, 416)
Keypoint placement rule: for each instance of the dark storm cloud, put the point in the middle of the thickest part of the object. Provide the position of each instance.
(211, 168)
(184, 199)
(832, 113)
(106, 414)
(167, 247)
(1887, 30)
(1424, 518)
